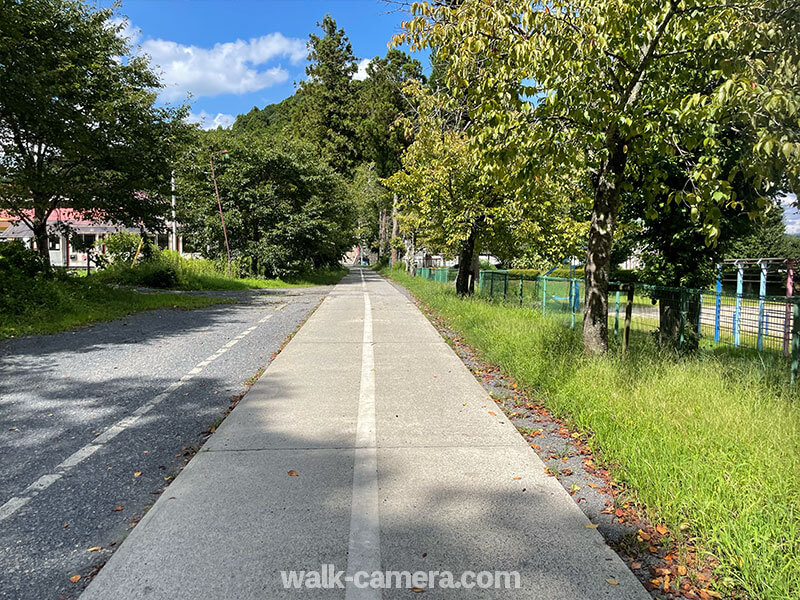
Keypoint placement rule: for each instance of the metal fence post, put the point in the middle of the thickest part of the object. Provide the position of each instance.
(521, 280)
(505, 287)
(572, 304)
(683, 310)
(480, 282)
(762, 291)
(718, 307)
(626, 333)
(616, 314)
(795, 340)
(491, 285)
(544, 294)
(737, 316)
(788, 314)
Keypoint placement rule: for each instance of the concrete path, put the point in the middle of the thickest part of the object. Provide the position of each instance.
(366, 445)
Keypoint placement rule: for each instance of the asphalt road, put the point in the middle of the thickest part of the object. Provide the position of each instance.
(95, 422)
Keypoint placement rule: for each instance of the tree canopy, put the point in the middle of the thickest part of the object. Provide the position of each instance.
(79, 127)
(607, 94)
(324, 110)
(285, 212)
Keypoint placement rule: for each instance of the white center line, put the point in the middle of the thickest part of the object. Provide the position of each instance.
(17, 502)
(364, 551)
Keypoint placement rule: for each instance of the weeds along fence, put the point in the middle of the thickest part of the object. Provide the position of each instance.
(685, 317)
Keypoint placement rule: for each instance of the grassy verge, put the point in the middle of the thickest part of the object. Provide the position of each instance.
(710, 445)
(71, 302)
(170, 270)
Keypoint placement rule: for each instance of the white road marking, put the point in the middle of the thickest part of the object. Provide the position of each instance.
(17, 502)
(364, 551)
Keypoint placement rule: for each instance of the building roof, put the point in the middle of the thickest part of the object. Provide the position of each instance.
(21, 230)
(76, 220)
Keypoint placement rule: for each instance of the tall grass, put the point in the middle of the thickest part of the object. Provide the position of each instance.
(67, 302)
(709, 444)
(171, 270)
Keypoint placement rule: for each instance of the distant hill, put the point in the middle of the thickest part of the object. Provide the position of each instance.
(271, 119)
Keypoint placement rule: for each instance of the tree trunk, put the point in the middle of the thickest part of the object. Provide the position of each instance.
(463, 285)
(381, 233)
(394, 228)
(476, 271)
(42, 240)
(410, 257)
(669, 321)
(598, 253)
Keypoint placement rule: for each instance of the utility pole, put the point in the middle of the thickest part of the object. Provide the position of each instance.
(219, 204)
(174, 224)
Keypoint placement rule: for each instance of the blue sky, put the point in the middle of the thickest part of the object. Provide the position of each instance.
(231, 55)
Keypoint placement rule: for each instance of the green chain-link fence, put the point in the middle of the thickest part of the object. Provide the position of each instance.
(683, 316)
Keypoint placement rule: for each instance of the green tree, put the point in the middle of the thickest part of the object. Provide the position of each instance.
(285, 211)
(608, 92)
(78, 126)
(382, 102)
(454, 207)
(272, 120)
(324, 109)
(371, 201)
(765, 238)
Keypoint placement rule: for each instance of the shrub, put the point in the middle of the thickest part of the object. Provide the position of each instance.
(158, 276)
(24, 279)
(121, 247)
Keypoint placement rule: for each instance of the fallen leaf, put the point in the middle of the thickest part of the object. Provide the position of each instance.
(612, 581)
(293, 473)
(137, 473)
(517, 478)
(417, 590)
(662, 529)
(118, 508)
(75, 578)
(491, 413)
(681, 570)
(644, 535)
(636, 565)
(93, 549)
(591, 526)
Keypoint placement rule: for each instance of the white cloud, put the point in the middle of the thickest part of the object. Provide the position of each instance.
(208, 121)
(226, 68)
(131, 33)
(361, 74)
